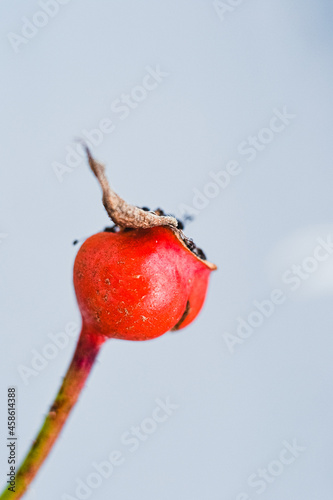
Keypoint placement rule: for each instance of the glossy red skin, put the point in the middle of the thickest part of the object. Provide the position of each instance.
(137, 284)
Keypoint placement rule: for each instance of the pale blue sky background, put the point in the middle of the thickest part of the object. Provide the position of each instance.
(225, 80)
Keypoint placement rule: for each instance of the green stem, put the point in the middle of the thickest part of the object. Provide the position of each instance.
(84, 357)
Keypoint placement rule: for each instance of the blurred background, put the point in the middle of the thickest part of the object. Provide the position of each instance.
(170, 94)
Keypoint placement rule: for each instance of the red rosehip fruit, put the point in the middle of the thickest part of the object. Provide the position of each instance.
(141, 280)
(139, 284)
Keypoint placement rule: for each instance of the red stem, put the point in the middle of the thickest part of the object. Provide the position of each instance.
(87, 349)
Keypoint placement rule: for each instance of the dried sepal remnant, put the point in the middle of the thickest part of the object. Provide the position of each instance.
(122, 213)
(127, 216)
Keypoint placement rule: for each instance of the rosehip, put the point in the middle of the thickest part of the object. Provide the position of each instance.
(138, 284)
(141, 281)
